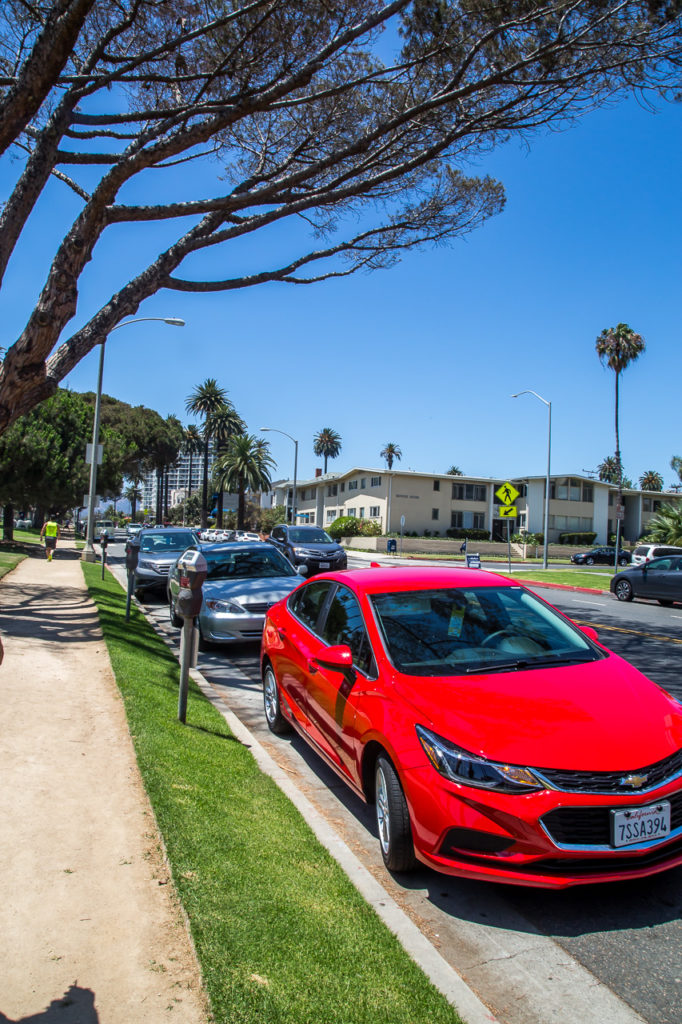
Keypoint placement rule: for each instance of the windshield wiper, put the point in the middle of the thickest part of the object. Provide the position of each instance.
(523, 663)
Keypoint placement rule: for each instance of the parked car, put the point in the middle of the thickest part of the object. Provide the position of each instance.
(246, 535)
(601, 556)
(103, 527)
(133, 529)
(645, 552)
(309, 546)
(160, 547)
(496, 739)
(243, 581)
(660, 580)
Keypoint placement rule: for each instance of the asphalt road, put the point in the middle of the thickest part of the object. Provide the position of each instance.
(628, 935)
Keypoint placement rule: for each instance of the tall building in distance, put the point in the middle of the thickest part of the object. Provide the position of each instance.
(178, 481)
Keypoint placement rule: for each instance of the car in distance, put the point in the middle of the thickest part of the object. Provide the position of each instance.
(645, 552)
(160, 547)
(242, 582)
(309, 546)
(601, 556)
(660, 580)
(133, 529)
(496, 739)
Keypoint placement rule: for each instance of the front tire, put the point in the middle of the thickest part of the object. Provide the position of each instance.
(277, 723)
(393, 818)
(623, 590)
(175, 619)
(589, 561)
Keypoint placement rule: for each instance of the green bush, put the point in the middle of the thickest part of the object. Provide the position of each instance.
(369, 528)
(459, 533)
(577, 538)
(344, 526)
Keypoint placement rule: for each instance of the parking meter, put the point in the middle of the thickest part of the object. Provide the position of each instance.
(192, 569)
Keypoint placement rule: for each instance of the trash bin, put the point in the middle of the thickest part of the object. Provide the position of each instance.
(391, 546)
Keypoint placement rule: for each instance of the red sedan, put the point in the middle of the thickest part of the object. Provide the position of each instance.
(497, 739)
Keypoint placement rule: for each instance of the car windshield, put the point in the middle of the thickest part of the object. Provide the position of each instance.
(481, 629)
(247, 564)
(309, 536)
(167, 540)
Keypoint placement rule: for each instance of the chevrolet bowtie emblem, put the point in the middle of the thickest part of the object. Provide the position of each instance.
(636, 781)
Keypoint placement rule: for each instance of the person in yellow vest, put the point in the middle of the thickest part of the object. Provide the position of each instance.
(51, 533)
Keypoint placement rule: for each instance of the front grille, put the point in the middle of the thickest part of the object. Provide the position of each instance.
(591, 826)
(610, 782)
(257, 609)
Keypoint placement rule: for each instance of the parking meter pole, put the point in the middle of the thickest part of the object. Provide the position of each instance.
(185, 663)
(103, 549)
(509, 544)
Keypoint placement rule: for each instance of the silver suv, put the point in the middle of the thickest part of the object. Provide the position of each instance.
(645, 552)
(160, 547)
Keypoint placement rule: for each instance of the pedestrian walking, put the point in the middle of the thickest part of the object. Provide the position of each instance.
(51, 533)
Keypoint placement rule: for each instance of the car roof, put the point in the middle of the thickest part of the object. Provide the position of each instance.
(389, 580)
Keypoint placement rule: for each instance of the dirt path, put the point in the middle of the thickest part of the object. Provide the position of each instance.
(90, 930)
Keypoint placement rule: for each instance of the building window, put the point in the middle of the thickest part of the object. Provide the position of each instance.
(436, 485)
(588, 492)
(332, 490)
(351, 512)
(573, 524)
(469, 492)
(362, 513)
(375, 481)
(456, 519)
(342, 486)
(352, 485)
(479, 521)
(331, 515)
(566, 488)
(363, 482)
(646, 504)
(434, 513)
(374, 512)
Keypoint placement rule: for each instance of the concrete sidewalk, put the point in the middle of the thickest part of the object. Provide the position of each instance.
(90, 931)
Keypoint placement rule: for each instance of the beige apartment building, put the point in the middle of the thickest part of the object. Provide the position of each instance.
(428, 503)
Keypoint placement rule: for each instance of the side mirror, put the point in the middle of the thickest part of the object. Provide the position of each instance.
(302, 570)
(339, 659)
(589, 632)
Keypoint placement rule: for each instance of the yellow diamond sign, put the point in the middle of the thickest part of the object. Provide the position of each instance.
(507, 494)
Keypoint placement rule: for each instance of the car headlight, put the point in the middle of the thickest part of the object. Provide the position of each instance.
(305, 553)
(225, 606)
(460, 766)
(144, 564)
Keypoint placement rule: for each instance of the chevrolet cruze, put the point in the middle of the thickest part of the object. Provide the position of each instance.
(496, 739)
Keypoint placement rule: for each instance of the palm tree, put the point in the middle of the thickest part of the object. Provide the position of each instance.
(651, 481)
(666, 526)
(246, 464)
(133, 494)
(327, 442)
(617, 347)
(390, 452)
(192, 446)
(204, 402)
(455, 471)
(608, 470)
(226, 423)
(676, 466)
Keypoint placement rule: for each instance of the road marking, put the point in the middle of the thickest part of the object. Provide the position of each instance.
(633, 632)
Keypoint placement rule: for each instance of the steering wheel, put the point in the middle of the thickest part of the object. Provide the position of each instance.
(499, 634)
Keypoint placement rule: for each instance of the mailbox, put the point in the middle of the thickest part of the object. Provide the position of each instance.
(132, 554)
(192, 569)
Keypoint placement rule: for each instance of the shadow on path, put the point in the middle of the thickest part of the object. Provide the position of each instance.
(32, 610)
(76, 1006)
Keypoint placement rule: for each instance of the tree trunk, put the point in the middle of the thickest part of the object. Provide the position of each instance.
(204, 487)
(8, 522)
(241, 508)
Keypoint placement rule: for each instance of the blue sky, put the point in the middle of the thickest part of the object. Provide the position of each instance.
(426, 355)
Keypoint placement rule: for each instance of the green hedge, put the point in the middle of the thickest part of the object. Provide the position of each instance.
(459, 533)
(577, 538)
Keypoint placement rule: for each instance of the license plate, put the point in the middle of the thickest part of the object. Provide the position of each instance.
(324, 565)
(640, 824)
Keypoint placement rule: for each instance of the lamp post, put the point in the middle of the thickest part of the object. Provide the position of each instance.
(89, 552)
(549, 460)
(275, 430)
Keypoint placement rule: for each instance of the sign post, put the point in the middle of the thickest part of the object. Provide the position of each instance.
(507, 495)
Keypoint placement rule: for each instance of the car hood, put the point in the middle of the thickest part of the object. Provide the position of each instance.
(165, 557)
(268, 589)
(322, 549)
(599, 716)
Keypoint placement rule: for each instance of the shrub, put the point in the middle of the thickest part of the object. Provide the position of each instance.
(577, 538)
(460, 533)
(369, 528)
(344, 526)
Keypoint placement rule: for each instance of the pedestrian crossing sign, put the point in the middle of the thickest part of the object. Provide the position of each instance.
(507, 494)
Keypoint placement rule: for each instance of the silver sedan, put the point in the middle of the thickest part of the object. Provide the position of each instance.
(243, 581)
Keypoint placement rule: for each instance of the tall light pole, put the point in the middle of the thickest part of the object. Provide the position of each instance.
(549, 461)
(275, 430)
(89, 552)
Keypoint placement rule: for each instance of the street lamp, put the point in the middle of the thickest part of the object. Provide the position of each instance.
(549, 459)
(89, 551)
(275, 430)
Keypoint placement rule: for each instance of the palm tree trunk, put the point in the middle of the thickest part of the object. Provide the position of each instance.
(325, 463)
(204, 486)
(241, 508)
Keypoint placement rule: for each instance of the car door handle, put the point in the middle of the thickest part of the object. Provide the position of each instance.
(312, 667)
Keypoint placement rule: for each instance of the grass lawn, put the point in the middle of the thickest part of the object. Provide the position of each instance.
(282, 935)
(573, 577)
(8, 560)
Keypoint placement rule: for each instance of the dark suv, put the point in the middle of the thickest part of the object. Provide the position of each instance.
(309, 546)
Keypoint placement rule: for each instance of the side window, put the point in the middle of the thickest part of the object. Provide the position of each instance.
(345, 625)
(307, 602)
(660, 564)
(278, 533)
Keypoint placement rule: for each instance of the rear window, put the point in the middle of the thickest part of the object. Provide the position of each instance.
(642, 549)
